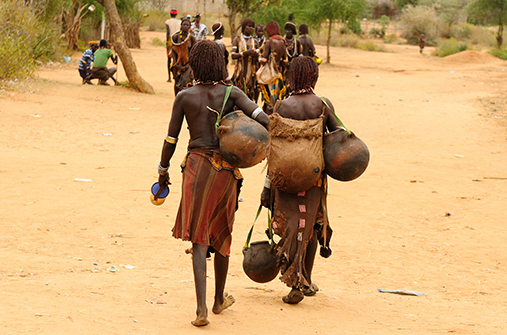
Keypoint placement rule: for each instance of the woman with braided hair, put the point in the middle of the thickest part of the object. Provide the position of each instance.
(218, 30)
(300, 219)
(210, 186)
(182, 42)
(245, 54)
(274, 48)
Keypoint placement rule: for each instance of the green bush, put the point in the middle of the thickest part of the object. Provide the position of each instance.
(392, 39)
(348, 40)
(450, 47)
(368, 45)
(158, 42)
(419, 19)
(499, 53)
(475, 35)
(377, 32)
(25, 40)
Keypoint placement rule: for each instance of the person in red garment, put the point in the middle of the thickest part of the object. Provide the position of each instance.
(210, 186)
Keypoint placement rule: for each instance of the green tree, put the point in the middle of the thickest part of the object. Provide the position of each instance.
(403, 3)
(244, 9)
(318, 12)
(417, 20)
(449, 11)
(490, 11)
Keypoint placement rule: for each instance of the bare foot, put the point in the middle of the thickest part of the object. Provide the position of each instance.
(200, 321)
(312, 290)
(220, 307)
(294, 297)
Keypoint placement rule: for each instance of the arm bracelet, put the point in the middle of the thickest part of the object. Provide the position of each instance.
(256, 112)
(163, 170)
(171, 140)
(267, 182)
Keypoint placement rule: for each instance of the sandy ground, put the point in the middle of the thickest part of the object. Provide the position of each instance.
(428, 215)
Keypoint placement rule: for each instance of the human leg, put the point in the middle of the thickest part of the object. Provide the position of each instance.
(199, 267)
(112, 71)
(222, 300)
(169, 60)
(309, 261)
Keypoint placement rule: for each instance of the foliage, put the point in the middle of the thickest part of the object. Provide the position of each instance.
(492, 12)
(499, 52)
(450, 47)
(402, 3)
(318, 12)
(242, 9)
(449, 11)
(278, 13)
(158, 42)
(25, 39)
(392, 39)
(384, 22)
(419, 19)
(475, 35)
(155, 21)
(348, 40)
(379, 8)
(369, 45)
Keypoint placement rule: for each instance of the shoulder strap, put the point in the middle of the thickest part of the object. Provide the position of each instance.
(227, 94)
(336, 116)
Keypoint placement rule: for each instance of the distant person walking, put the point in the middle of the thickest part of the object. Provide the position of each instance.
(422, 42)
(172, 26)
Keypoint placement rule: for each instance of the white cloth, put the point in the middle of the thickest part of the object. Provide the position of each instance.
(174, 25)
(199, 32)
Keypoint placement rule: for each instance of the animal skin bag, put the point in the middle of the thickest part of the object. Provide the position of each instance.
(268, 72)
(295, 159)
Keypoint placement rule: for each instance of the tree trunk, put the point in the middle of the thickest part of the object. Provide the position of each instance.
(132, 35)
(328, 60)
(118, 41)
(233, 11)
(499, 36)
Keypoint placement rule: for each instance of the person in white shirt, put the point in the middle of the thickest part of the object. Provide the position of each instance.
(199, 30)
(171, 26)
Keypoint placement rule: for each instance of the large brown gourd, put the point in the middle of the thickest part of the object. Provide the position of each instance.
(346, 156)
(259, 262)
(243, 141)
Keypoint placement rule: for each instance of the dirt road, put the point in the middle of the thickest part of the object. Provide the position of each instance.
(428, 215)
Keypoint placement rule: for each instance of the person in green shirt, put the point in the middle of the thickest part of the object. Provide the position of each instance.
(99, 69)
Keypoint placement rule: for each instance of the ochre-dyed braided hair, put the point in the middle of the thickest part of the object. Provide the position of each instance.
(245, 23)
(272, 28)
(207, 61)
(303, 29)
(303, 73)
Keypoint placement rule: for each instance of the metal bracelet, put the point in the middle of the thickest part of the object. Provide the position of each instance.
(163, 170)
(256, 112)
(171, 140)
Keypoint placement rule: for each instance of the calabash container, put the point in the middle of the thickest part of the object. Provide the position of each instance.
(155, 188)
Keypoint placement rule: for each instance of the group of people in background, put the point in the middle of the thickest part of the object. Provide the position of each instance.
(251, 50)
(93, 63)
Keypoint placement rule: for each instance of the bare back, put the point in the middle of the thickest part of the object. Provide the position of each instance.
(278, 47)
(307, 106)
(192, 104)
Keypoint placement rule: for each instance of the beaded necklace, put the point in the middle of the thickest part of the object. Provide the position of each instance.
(291, 45)
(302, 91)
